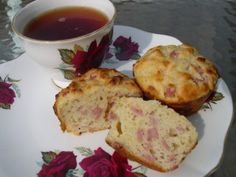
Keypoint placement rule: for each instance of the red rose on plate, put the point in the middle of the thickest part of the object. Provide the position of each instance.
(7, 95)
(102, 164)
(59, 166)
(125, 48)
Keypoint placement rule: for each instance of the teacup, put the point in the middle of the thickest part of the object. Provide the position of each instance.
(60, 54)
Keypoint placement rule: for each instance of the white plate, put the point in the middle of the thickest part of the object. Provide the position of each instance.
(30, 126)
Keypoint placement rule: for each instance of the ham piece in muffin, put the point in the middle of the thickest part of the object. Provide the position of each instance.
(150, 133)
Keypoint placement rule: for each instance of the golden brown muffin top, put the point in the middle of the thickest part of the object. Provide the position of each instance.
(110, 80)
(175, 74)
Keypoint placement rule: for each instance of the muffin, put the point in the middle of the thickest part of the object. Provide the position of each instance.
(150, 133)
(178, 76)
(82, 106)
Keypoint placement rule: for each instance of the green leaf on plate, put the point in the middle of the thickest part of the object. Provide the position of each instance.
(66, 55)
(135, 56)
(85, 151)
(17, 90)
(140, 169)
(39, 163)
(70, 173)
(69, 74)
(217, 97)
(48, 156)
(5, 106)
(12, 80)
(206, 106)
(78, 172)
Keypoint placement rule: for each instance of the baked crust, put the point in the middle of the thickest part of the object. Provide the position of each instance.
(150, 133)
(178, 76)
(121, 150)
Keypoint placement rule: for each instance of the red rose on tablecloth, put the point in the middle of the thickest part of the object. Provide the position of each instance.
(59, 166)
(101, 164)
(7, 95)
(83, 61)
(125, 48)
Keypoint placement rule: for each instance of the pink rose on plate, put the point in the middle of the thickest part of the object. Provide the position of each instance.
(102, 164)
(7, 95)
(125, 48)
(59, 166)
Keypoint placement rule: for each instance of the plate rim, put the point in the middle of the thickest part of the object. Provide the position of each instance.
(18, 59)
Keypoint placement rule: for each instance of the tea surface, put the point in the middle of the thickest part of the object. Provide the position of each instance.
(65, 23)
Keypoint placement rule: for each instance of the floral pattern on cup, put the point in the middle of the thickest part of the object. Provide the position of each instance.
(79, 60)
(97, 163)
(8, 92)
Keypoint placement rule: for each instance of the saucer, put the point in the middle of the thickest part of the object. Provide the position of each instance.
(29, 125)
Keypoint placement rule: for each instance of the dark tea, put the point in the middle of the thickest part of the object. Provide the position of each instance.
(65, 23)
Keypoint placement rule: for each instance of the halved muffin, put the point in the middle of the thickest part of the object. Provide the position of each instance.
(150, 133)
(82, 106)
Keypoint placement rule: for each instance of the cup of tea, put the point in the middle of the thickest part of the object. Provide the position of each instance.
(72, 36)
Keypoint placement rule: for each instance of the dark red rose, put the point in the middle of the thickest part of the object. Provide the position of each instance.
(102, 164)
(7, 95)
(125, 48)
(83, 61)
(59, 166)
(123, 168)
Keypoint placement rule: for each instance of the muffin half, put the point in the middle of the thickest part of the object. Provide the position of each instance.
(82, 106)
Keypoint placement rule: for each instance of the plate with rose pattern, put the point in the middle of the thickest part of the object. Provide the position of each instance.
(32, 143)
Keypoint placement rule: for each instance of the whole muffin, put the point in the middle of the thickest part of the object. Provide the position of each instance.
(178, 76)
